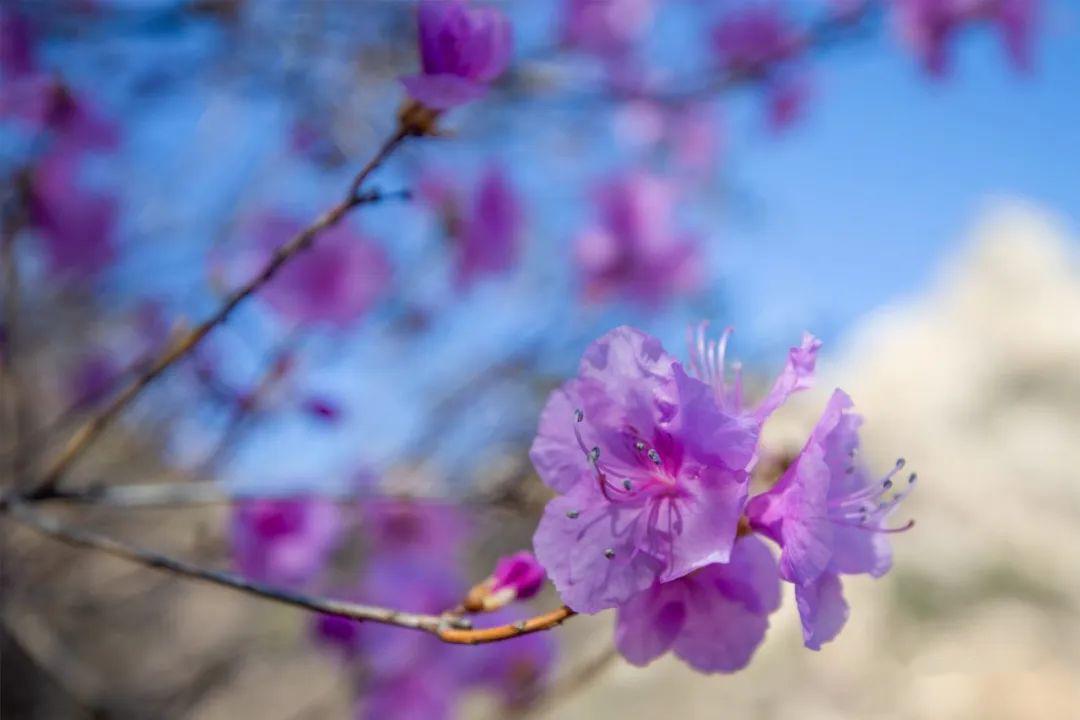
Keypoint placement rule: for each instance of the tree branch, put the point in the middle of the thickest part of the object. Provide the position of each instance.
(447, 627)
(86, 434)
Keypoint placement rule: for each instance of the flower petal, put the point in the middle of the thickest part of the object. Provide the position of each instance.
(650, 621)
(586, 545)
(822, 609)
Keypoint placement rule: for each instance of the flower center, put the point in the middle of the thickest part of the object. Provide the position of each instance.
(638, 469)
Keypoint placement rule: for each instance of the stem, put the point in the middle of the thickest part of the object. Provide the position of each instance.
(446, 627)
(86, 434)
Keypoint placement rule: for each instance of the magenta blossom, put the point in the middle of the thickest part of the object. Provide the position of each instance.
(516, 577)
(286, 541)
(928, 26)
(754, 40)
(415, 674)
(76, 225)
(40, 100)
(413, 529)
(714, 618)
(606, 28)
(485, 233)
(462, 50)
(651, 474)
(634, 251)
(519, 572)
(828, 516)
(335, 282)
(16, 45)
(489, 237)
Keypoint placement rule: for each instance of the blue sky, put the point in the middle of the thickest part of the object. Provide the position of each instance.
(850, 209)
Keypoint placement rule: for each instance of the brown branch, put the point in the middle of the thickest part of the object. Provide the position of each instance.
(447, 627)
(86, 434)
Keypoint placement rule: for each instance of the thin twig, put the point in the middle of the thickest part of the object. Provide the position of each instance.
(448, 628)
(86, 434)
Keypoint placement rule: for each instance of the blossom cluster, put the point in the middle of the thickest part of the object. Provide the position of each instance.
(74, 221)
(651, 461)
(413, 562)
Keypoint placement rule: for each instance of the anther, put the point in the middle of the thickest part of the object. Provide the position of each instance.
(609, 553)
(627, 484)
(578, 415)
(912, 478)
(639, 445)
(573, 514)
(594, 454)
(654, 456)
(900, 463)
(887, 484)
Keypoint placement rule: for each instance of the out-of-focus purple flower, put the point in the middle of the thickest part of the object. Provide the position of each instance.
(16, 45)
(322, 408)
(634, 251)
(94, 377)
(463, 49)
(401, 528)
(928, 26)
(752, 40)
(696, 137)
(488, 243)
(427, 694)
(787, 99)
(828, 517)
(606, 28)
(485, 233)
(651, 474)
(516, 669)
(76, 226)
(334, 282)
(708, 363)
(714, 618)
(284, 541)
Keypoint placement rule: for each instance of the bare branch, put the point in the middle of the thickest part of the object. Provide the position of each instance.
(447, 627)
(86, 434)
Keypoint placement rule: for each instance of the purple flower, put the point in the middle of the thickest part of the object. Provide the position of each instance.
(606, 28)
(322, 408)
(708, 363)
(462, 50)
(519, 572)
(651, 474)
(714, 618)
(93, 379)
(76, 226)
(489, 238)
(16, 45)
(401, 528)
(828, 517)
(516, 577)
(424, 694)
(286, 541)
(753, 40)
(928, 26)
(634, 251)
(335, 282)
(516, 669)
